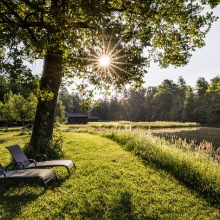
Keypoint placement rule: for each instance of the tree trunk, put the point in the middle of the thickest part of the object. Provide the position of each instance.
(44, 118)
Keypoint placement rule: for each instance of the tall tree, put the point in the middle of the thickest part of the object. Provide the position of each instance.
(200, 113)
(162, 100)
(178, 98)
(213, 96)
(188, 105)
(24, 109)
(102, 109)
(63, 31)
(60, 112)
(66, 99)
(4, 88)
(114, 110)
(135, 105)
(7, 110)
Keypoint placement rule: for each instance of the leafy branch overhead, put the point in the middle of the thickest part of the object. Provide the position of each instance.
(166, 31)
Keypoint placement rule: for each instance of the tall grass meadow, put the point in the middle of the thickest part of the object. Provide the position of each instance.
(196, 166)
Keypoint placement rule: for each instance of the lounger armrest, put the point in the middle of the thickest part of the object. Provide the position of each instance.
(32, 161)
(44, 156)
(21, 165)
(3, 171)
(15, 165)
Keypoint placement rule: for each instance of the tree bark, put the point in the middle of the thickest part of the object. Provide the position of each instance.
(44, 118)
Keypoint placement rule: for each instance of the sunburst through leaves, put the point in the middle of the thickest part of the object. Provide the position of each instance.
(104, 61)
(108, 61)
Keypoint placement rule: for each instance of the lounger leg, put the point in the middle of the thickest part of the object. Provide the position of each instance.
(69, 170)
(47, 181)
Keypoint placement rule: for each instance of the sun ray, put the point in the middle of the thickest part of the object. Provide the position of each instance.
(106, 61)
(115, 72)
(116, 67)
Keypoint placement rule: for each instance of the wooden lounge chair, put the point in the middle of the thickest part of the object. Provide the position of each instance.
(45, 175)
(25, 163)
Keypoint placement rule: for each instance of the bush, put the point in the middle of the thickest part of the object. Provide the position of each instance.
(53, 150)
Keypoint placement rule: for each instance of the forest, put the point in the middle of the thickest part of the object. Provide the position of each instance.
(168, 101)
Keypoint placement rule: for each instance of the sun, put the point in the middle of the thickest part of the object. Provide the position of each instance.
(104, 61)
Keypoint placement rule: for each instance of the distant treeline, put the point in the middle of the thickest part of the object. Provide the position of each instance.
(167, 102)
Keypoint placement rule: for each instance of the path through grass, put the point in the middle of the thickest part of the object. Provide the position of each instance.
(109, 183)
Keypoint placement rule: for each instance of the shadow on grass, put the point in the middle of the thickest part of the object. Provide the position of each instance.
(20, 194)
(21, 136)
(2, 141)
(121, 208)
(13, 200)
(124, 209)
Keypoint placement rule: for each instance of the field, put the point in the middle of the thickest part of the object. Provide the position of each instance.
(112, 180)
(198, 135)
(191, 132)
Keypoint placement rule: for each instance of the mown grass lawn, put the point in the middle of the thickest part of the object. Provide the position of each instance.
(109, 183)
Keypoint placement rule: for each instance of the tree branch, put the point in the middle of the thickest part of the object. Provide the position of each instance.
(21, 21)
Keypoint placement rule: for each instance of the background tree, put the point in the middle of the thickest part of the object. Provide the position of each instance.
(163, 99)
(101, 109)
(177, 105)
(24, 109)
(135, 105)
(1, 115)
(31, 105)
(151, 91)
(200, 112)
(3, 87)
(114, 109)
(64, 31)
(188, 105)
(7, 110)
(66, 99)
(213, 96)
(60, 112)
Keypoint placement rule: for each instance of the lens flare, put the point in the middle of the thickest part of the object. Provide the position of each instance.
(107, 61)
(104, 61)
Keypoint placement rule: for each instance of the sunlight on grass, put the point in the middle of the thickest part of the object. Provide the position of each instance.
(194, 167)
(142, 125)
(109, 183)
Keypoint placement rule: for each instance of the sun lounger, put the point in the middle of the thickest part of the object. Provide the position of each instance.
(45, 175)
(25, 163)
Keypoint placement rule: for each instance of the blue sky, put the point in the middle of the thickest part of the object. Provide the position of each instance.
(205, 62)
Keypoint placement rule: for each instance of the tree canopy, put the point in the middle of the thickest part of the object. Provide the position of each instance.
(71, 36)
(168, 31)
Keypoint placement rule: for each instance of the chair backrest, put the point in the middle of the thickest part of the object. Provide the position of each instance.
(17, 154)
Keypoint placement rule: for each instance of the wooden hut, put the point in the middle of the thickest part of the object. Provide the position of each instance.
(77, 118)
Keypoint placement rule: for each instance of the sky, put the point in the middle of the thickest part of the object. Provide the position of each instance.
(205, 62)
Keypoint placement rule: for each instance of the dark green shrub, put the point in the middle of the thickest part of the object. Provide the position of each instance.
(53, 150)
